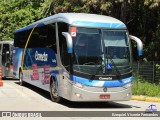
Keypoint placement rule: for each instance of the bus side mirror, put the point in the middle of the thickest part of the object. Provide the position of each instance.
(139, 44)
(69, 41)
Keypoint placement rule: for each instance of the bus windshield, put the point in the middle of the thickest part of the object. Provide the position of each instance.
(99, 52)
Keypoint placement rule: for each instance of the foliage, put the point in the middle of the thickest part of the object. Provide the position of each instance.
(145, 88)
(15, 14)
(158, 66)
(142, 17)
(144, 22)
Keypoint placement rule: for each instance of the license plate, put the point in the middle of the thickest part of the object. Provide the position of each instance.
(104, 96)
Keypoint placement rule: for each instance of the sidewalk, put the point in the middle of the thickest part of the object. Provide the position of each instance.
(145, 98)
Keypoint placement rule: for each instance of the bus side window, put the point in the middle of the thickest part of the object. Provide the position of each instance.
(20, 38)
(42, 37)
(63, 27)
(51, 38)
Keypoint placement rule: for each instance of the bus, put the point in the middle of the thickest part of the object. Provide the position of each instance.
(6, 58)
(76, 56)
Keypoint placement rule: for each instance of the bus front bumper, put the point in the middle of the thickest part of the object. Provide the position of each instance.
(80, 94)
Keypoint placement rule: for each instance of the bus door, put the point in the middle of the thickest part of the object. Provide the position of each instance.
(0, 55)
(6, 59)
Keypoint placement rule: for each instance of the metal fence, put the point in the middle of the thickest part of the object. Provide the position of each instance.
(147, 71)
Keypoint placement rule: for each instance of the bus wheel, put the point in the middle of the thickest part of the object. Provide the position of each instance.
(54, 91)
(21, 82)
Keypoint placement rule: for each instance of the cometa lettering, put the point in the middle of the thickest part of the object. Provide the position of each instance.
(41, 57)
(108, 78)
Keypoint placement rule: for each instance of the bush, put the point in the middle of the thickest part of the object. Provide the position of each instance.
(142, 87)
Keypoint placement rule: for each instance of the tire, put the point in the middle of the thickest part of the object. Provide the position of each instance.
(21, 82)
(54, 91)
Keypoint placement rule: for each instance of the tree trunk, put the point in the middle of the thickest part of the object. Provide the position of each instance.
(124, 10)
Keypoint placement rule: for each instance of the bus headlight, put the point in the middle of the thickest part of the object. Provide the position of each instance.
(128, 85)
(78, 85)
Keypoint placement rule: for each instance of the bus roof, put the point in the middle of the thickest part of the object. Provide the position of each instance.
(6, 42)
(79, 19)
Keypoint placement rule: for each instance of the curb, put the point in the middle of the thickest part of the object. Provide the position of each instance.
(145, 98)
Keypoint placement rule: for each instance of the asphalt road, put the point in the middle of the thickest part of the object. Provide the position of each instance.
(14, 97)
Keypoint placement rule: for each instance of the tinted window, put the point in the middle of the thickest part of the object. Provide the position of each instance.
(41, 37)
(63, 27)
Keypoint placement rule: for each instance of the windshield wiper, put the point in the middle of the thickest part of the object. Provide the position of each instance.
(116, 69)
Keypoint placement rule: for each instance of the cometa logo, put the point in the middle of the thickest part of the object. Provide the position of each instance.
(41, 57)
(108, 78)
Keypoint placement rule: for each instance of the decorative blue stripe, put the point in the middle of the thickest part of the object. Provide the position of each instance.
(100, 83)
(54, 72)
(70, 49)
(29, 27)
(140, 52)
(99, 24)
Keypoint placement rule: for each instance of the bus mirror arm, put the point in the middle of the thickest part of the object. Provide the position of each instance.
(69, 41)
(139, 44)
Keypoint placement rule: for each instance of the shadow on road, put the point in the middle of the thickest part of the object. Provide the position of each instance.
(41, 92)
(9, 79)
(102, 105)
(69, 104)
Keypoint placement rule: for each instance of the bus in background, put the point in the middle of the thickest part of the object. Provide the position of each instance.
(6, 58)
(76, 56)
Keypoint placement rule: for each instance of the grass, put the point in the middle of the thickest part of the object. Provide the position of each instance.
(141, 87)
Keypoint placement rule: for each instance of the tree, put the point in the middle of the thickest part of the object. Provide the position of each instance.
(143, 22)
(15, 14)
(85, 6)
(142, 17)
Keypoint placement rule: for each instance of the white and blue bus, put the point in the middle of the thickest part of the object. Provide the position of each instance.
(6, 48)
(76, 56)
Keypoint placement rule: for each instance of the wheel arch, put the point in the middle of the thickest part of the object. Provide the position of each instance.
(56, 81)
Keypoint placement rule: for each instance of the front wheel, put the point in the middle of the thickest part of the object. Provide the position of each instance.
(54, 91)
(21, 82)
